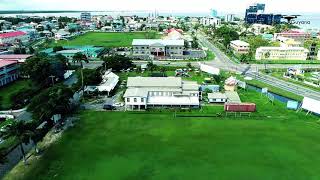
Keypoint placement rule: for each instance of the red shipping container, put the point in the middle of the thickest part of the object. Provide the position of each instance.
(240, 107)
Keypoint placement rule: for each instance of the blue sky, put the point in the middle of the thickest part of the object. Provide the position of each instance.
(232, 6)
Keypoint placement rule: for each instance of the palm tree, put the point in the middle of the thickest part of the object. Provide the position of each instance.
(23, 135)
(79, 57)
(163, 71)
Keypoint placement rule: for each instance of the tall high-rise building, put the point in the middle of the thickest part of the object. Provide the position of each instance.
(213, 13)
(255, 14)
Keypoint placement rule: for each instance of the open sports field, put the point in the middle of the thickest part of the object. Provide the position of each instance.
(109, 39)
(272, 144)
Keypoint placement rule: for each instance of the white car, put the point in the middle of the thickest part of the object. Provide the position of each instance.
(118, 104)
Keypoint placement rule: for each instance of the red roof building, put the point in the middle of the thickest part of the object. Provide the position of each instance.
(12, 34)
(15, 57)
(294, 34)
(173, 29)
(12, 37)
(4, 63)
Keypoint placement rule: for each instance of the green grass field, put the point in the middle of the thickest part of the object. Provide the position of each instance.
(273, 144)
(7, 91)
(110, 39)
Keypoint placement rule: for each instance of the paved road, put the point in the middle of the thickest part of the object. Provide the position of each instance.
(223, 62)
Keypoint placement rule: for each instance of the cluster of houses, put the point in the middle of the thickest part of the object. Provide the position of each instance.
(291, 47)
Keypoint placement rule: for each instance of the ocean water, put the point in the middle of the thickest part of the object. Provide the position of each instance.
(305, 21)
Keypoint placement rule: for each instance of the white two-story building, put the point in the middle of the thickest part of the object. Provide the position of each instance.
(148, 92)
(149, 48)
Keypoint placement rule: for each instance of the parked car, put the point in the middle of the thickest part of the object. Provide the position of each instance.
(118, 104)
(108, 107)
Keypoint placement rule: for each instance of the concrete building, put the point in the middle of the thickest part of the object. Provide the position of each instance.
(146, 92)
(145, 48)
(229, 18)
(281, 53)
(8, 72)
(240, 47)
(217, 97)
(213, 21)
(296, 35)
(13, 37)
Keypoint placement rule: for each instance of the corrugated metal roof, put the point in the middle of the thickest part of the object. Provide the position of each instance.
(12, 34)
(135, 92)
(15, 56)
(154, 82)
(217, 95)
(233, 97)
(4, 63)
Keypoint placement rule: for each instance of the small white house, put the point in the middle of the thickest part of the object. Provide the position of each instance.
(217, 97)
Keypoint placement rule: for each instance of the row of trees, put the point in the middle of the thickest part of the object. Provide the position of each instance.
(45, 100)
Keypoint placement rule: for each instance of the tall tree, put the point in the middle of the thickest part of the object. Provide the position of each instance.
(54, 100)
(41, 67)
(117, 62)
(80, 58)
(23, 134)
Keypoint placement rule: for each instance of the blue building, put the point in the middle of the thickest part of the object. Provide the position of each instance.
(92, 52)
(255, 14)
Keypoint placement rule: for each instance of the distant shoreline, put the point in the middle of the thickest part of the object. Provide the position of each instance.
(35, 12)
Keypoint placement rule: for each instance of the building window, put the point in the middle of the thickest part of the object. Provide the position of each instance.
(128, 99)
(142, 100)
(135, 100)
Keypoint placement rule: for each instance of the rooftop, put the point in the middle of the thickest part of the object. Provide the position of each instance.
(217, 95)
(69, 51)
(15, 56)
(4, 63)
(282, 48)
(154, 82)
(12, 34)
(233, 97)
(136, 92)
(240, 43)
(143, 42)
